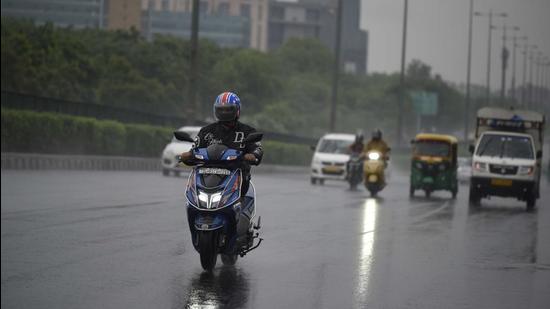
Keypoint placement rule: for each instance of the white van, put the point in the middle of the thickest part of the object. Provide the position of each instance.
(507, 155)
(330, 158)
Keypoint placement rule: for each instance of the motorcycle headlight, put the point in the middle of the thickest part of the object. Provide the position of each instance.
(526, 170)
(374, 156)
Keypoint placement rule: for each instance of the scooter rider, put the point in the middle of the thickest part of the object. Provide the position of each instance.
(355, 148)
(229, 132)
(378, 144)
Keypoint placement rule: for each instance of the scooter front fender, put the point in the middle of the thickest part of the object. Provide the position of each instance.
(209, 222)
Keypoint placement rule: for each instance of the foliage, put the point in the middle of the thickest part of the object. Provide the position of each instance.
(287, 90)
(36, 132)
(27, 131)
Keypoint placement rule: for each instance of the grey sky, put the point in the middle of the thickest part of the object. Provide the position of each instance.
(438, 34)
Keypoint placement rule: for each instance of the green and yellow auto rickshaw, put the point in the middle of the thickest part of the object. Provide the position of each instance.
(434, 164)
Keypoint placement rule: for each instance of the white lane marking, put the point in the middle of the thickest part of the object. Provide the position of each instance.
(431, 213)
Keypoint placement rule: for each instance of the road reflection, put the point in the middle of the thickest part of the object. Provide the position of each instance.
(368, 226)
(228, 288)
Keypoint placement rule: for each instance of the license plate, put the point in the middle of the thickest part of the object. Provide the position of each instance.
(501, 182)
(215, 171)
(332, 170)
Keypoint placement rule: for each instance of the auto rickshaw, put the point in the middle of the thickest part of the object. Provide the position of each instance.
(434, 164)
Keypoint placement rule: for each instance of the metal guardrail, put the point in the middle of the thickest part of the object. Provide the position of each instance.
(36, 161)
(14, 100)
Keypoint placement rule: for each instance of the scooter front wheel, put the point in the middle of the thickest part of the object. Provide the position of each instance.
(229, 259)
(207, 250)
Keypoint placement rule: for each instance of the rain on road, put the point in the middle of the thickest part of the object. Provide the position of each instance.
(75, 239)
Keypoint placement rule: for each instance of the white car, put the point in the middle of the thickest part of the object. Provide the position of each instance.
(464, 170)
(169, 159)
(330, 157)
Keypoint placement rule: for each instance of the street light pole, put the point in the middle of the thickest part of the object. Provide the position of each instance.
(489, 43)
(336, 68)
(402, 77)
(515, 39)
(504, 58)
(468, 72)
(194, 68)
(488, 99)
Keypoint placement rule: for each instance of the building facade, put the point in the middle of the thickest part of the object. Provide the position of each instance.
(109, 14)
(233, 12)
(317, 19)
(64, 13)
(123, 14)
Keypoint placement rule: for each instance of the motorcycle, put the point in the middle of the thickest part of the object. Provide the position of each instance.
(373, 170)
(355, 170)
(220, 220)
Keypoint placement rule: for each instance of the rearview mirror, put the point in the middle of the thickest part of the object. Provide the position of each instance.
(471, 149)
(253, 138)
(183, 136)
(539, 154)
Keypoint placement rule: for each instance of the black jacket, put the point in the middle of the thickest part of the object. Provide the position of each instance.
(217, 133)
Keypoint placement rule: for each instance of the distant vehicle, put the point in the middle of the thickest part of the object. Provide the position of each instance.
(330, 158)
(507, 155)
(434, 164)
(169, 159)
(374, 172)
(464, 171)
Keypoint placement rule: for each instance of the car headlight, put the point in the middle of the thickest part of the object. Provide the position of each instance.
(374, 156)
(316, 161)
(526, 170)
(481, 167)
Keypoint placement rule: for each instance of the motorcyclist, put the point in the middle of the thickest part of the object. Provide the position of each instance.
(378, 144)
(229, 131)
(355, 148)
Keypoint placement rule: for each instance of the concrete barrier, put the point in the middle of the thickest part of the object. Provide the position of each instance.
(34, 161)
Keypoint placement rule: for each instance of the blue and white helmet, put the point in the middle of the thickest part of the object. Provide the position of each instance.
(227, 107)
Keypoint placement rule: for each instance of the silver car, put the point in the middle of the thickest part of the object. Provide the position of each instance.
(464, 171)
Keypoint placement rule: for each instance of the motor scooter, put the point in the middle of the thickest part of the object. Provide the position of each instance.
(221, 221)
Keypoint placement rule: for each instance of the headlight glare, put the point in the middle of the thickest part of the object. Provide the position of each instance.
(374, 156)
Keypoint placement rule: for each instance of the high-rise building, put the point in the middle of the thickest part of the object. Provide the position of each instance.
(223, 13)
(110, 14)
(74, 13)
(317, 19)
(123, 14)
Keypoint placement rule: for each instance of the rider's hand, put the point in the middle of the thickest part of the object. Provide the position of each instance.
(250, 157)
(186, 156)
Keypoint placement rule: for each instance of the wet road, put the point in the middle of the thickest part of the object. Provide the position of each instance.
(120, 240)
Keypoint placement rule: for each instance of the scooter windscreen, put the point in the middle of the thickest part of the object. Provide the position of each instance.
(217, 182)
(225, 191)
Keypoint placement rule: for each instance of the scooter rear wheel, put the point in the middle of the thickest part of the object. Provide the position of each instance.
(207, 250)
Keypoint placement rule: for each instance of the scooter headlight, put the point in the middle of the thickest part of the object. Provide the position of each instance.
(209, 201)
(374, 156)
